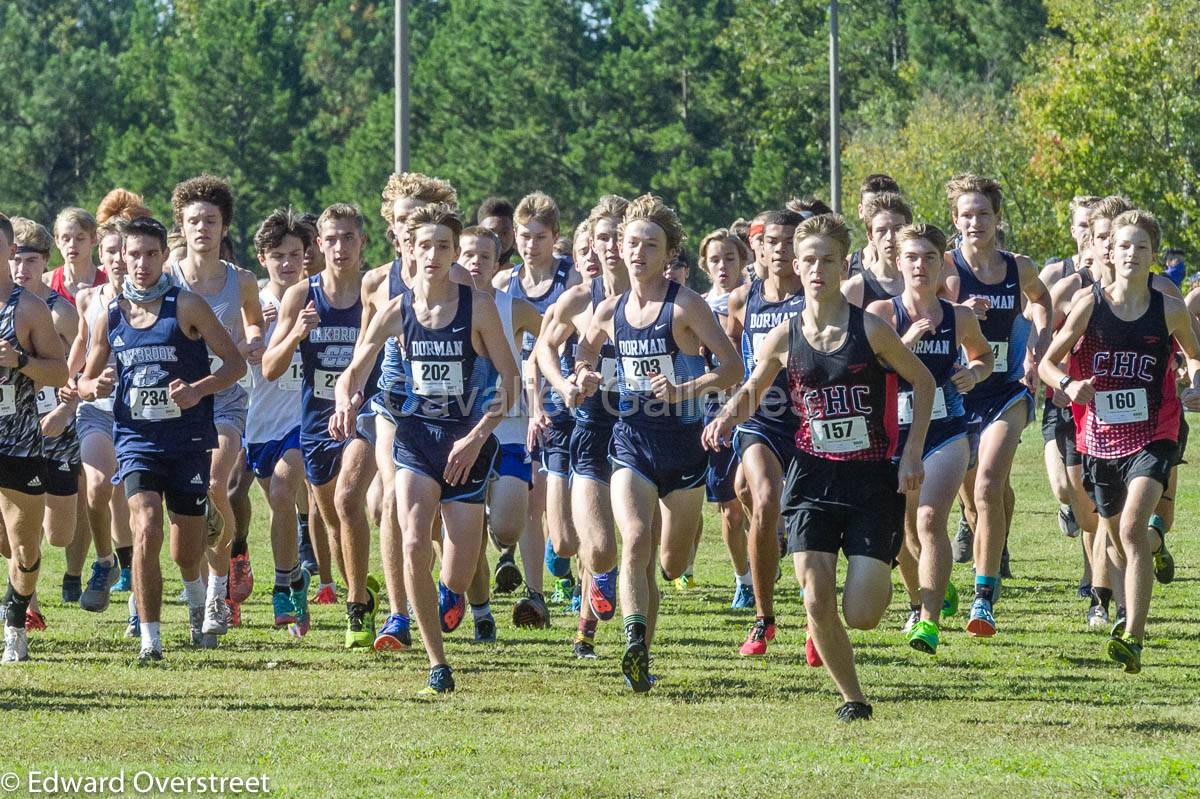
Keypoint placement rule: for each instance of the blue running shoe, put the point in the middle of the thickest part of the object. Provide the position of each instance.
(441, 681)
(743, 597)
(95, 597)
(394, 635)
(300, 603)
(559, 567)
(485, 630)
(576, 599)
(602, 595)
(981, 624)
(125, 581)
(284, 608)
(451, 608)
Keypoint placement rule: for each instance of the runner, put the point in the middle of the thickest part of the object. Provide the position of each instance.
(591, 472)
(75, 237)
(203, 208)
(446, 408)
(322, 317)
(872, 185)
(844, 490)
(936, 331)
(659, 465)
(161, 336)
(996, 285)
(885, 213)
(496, 214)
(587, 263)
(765, 442)
(1120, 338)
(273, 422)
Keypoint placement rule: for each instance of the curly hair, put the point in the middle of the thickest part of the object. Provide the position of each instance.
(203, 189)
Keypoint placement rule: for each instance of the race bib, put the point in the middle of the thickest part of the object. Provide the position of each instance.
(640, 369)
(904, 406)
(323, 383)
(608, 374)
(294, 375)
(847, 434)
(152, 403)
(1000, 353)
(215, 363)
(8, 400)
(47, 400)
(437, 378)
(756, 345)
(1121, 407)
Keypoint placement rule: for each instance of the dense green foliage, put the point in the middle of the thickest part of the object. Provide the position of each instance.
(719, 105)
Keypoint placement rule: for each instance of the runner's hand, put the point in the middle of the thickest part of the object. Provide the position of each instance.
(717, 434)
(963, 378)
(911, 473)
(462, 459)
(1081, 391)
(183, 394)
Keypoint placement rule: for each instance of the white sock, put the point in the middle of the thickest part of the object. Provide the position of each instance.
(217, 587)
(481, 611)
(743, 579)
(107, 560)
(150, 637)
(132, 604)
(195, 592)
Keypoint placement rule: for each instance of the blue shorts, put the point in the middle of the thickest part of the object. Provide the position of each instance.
(322, 459)
(671, 459)
(514, 462)
(423, 446)
(555, 451)
(262, 457)
(180, 477)
(782, 443)
(941, 432)
(722, 468)
(380, 407)
(983, 410)
(589, 452)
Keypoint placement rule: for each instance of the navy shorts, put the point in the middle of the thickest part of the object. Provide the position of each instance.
(983, 410)
(514, 462)
(1107, 480)
(555, 452)
(671, 459)
(180, 477)
(262, 457)
(851, 506)
(718, 482)
(941, 432)
(322, 459)
(782, 443)
(423, 446)
(589, 452)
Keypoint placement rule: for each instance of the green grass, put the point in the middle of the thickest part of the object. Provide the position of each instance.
(1036, 711)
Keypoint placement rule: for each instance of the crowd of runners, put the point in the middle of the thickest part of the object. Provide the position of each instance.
(502, 403)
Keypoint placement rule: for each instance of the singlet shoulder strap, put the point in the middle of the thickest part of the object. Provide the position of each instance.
(900, 312)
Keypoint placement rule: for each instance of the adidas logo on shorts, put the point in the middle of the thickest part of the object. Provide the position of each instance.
(34, 483)
(196, 481)
(64, 467)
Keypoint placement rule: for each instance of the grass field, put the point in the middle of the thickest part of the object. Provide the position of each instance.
(1036, 711)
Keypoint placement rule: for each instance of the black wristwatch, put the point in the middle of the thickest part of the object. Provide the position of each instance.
(1062, 384)
(22, 360)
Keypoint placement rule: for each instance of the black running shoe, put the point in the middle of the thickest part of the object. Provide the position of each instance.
(507, 575)
(485, 630)
(635, 665)
(441, 681)
(584, 649)
(1164, 563)
(531, 612)
(854, 711)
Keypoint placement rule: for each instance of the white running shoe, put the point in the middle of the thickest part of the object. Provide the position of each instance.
(16, 645)
(217, 617)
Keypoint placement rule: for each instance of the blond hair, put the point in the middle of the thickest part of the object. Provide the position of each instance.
(435, 214)
(720, 236)
(888, 201)
(1109, 209)
(651, 208)
(27, 233)
(611, 207)
(77, 215)
(1143, 220)
(961, 185)
(1087, 201)
(417, 186)
(923, 231)
(537, 206)
(830, 226)
(342, 211)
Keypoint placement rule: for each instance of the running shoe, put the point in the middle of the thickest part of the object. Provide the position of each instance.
(326, 595)
(72, 588)
(981, 624)
(924, 637)
(914, 616)
(125, 581)
(300, 603)
(584, 647)
(235, 613)
(602, 595)
(283, 607)
(133, 627)
(485, 630)
(308, 557)
(686, 582)
(962, 546)
(241, 578)
(1164, 563)
(16, 645)
(196, 620)
(34, 621)
(1097, 616)
(1066, 521)
(854, 711)
(149, 655)
(760, 635)
(576, 599)
(531, 611)
(563, 588)
(811, 656)
(559, 567)
(441, 681)
(217, 617)
(1085, 590)
(950, 602)
(743, 597)
(395, 635)
(95, 597)
(1005, 566)
(508, 576)
(359, 634)
(1126, 650)
(635, 666)
(451, 608)
(1118, 627)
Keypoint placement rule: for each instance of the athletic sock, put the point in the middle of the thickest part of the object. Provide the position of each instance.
(768, 620)
(108, 560)
(16, 607)
(239, 548)
(481, 611)
(283, 580)
(1158, 525)
(743, 579)
(915, 607)
(195, 592)
(150, 635)
(635, 627)
(125, 557)
(296, 578)
(985, 587)
(587, 628)
(1102, 596)
(218, 586)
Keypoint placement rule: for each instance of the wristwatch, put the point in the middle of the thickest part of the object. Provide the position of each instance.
(1062, 384)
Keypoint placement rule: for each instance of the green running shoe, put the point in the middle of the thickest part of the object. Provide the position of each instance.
(950, 603)
(924, 637)
(563, 588)
(1164, 562)
(1127, 651)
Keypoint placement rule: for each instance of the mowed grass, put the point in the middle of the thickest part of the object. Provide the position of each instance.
(1036, 711)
